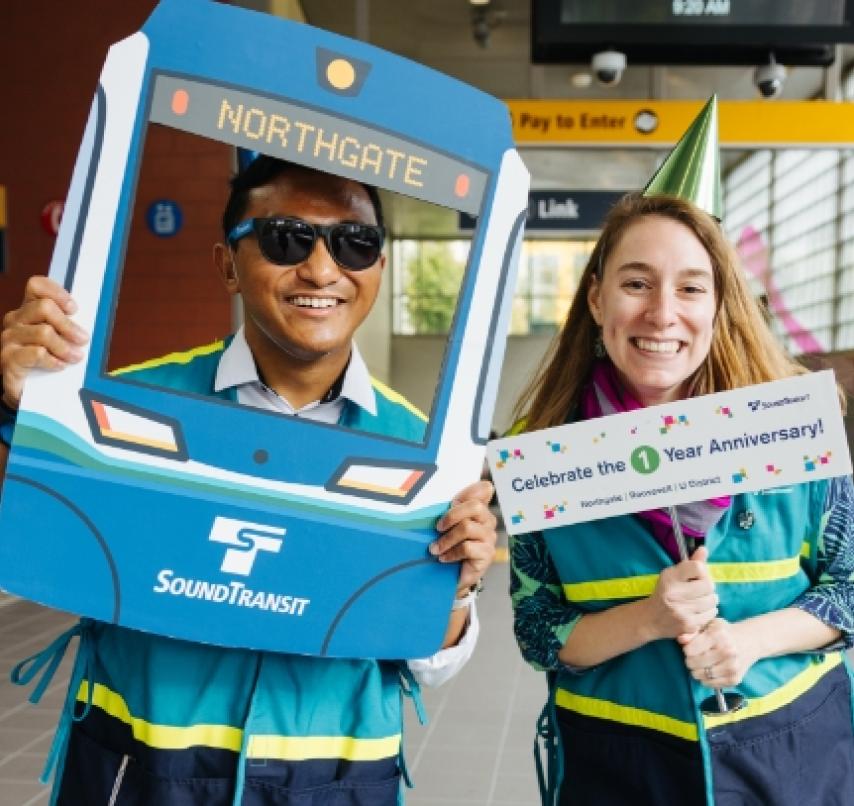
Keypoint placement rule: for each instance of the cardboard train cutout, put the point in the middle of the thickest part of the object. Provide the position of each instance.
(205, 520)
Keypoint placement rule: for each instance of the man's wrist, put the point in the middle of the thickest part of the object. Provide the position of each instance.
(465, 596)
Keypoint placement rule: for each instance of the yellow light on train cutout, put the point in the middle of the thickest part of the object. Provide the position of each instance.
(125, 426)
(340, 74)
(391, 481)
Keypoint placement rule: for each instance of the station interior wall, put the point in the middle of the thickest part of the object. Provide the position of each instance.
(50, 73)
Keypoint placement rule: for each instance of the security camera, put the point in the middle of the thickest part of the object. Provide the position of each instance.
(481, 30)
(608, 66)
(769, 78)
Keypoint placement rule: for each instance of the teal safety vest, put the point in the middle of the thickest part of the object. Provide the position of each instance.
(195, 371)
(180, 722)
(756, 569)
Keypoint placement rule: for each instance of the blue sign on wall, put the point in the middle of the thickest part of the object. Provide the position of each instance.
(164, 218)
(574, 210)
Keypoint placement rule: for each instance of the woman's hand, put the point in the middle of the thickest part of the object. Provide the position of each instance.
(468, 534)
(684, 600)
(720, 655)
(38, 335)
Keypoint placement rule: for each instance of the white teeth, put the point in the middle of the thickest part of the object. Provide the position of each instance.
(658, 346)
(313, 302)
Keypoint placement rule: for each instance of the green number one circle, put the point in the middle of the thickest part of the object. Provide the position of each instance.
(645, 459)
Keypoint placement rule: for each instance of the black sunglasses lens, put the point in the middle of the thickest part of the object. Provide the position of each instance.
(286, 242)
(355, 246)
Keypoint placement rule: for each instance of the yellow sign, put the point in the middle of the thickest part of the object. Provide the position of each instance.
(661, 123)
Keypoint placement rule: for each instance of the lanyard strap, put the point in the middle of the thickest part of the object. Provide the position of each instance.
(410, 688)
(47, 661)
(550, 774)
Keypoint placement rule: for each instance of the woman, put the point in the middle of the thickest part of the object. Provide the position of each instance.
(764, 605)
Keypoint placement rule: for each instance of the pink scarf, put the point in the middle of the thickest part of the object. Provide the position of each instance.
(605, 395)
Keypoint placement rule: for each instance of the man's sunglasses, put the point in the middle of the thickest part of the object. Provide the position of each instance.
(289, 241)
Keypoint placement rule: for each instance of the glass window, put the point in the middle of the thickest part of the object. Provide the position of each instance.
(791, 215)
(427, 275)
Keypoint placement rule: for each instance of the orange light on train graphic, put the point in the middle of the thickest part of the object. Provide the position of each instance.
(180, 102)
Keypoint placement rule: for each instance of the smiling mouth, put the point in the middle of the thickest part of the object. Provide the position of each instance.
(662, 347)
(313, 302)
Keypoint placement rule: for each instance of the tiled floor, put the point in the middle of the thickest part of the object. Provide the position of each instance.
(477, 748)
(26, 730)
(475, 751)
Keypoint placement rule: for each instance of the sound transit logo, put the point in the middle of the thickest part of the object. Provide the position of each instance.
(248, 538)
(244, 540)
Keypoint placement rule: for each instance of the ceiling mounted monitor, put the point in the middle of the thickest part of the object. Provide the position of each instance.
(691, 31)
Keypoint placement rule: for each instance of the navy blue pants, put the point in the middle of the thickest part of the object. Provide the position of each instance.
(609, 764)
(799, 755)
(802, 754)
(114, 768)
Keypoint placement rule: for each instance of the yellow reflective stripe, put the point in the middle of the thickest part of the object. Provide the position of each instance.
(397, 398)
(756, 706)
(163, 737)
(755, 572)
(225, 737)
(172, 358)
(626, 715)
(299, 748)
(618, 588)
(787, 693)
(805, 549)
(644, 585)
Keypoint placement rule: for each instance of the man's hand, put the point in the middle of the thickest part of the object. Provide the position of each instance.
(468, 534)
(38, 335)
(684, 600)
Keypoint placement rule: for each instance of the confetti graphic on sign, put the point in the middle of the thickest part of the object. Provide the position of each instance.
(504, 456)
(670, 421)
(551, 511)
(708, 447)
(812, 464)
(518, 517)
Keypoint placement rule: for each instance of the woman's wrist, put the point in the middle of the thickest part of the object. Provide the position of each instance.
(647, 630)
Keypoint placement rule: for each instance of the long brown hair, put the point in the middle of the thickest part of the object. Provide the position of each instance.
(743, 349)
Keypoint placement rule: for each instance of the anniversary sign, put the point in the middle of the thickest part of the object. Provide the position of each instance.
(749, 439)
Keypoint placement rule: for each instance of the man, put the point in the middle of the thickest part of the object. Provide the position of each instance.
(160, 721)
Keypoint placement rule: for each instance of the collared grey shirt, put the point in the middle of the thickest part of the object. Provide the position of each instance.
(237, 369)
